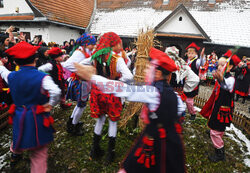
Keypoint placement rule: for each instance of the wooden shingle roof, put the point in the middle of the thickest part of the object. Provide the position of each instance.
(202, 5)
(72, 12)
(21, 17)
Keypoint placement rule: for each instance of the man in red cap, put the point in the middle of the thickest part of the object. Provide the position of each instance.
(194, 61)
(55, 69)
(159, 148)
(30, 113)
(218, 109)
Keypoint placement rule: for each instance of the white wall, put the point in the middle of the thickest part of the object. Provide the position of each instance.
(173, 25)
(36, 29)
(49, 33)
(9, 7)
(59, 34)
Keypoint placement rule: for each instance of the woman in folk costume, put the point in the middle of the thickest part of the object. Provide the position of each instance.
(194, 62)
(159, 148)
(55, 69)
(108, 64)
(32, 123)
(78, 90)
(242, 83)
(218, 109)
(184, 72)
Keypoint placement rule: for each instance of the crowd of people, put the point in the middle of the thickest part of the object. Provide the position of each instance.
(35, 77)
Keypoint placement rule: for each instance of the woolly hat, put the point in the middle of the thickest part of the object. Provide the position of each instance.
(106, 42)
(86, 39)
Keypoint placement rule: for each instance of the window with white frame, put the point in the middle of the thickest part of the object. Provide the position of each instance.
(165, 2)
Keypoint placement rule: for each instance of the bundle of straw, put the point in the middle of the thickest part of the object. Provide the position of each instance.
(144, 42)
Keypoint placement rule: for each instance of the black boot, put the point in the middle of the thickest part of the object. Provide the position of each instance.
(192, 117)
(111, 150)
(78, 131)
(243, 100)
(208, 133)
(15, 158)
(96, 151)
(236, 97)
(70, 126)
(219, 155)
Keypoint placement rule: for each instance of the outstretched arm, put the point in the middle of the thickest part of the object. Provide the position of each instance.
(145, 93)
(46, 67)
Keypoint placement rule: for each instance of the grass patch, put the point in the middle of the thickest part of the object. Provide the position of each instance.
(70, 154)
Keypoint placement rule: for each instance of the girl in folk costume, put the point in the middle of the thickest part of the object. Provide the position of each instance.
(55, 69)
(218, 109)
(159, 148)
(108, 64)
(32, 123)
(242, 74)
(78, 90)
(194, 63)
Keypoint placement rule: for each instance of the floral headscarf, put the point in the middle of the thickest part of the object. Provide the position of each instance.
(86, 39)
(107, 41)
(173, 53)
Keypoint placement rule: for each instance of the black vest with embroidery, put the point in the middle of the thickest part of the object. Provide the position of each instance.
(221, 116)
(155, 151)
(166, 114)
(194, 68)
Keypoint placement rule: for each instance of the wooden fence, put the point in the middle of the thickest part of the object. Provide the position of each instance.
(239, 120)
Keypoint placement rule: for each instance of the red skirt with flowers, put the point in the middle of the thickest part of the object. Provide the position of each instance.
(101, 104)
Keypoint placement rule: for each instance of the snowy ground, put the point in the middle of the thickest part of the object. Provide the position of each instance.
(244, 143)
(4, 152)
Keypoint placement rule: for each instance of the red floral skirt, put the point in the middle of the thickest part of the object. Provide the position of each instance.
(101, 104)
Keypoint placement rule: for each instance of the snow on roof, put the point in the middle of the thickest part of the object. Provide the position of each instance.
(223, 27)
(227, 27)
(126, 22)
